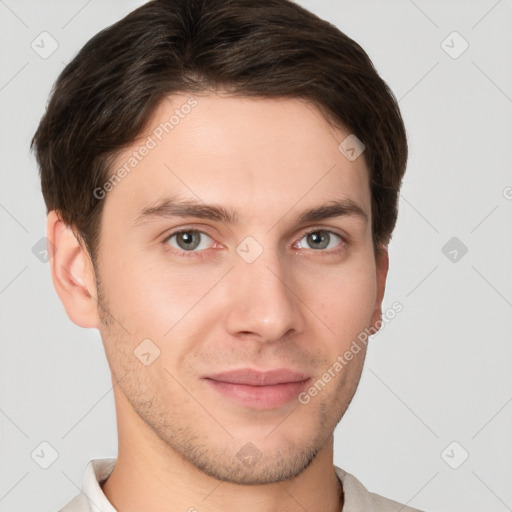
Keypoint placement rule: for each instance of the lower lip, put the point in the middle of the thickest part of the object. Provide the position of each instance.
(260, 397)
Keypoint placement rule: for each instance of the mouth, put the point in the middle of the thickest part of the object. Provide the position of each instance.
(259, 389)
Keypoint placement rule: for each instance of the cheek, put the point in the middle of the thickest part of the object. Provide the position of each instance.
(347, 301)
(153, 297)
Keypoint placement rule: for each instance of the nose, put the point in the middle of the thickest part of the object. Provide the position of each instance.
(264, 302)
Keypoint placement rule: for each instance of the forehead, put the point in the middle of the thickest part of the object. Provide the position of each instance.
(259, 156)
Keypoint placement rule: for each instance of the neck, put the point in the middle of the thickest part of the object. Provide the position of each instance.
(149, 475)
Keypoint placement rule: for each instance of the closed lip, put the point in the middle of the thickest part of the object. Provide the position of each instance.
(251, 377)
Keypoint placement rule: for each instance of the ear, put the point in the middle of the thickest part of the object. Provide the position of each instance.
(72, 273)
(381, 272)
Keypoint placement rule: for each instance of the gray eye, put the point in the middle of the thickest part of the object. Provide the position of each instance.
(189, 240)
(320, 239)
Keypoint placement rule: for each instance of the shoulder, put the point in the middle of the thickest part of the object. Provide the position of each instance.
(359, 499)
(78, 504)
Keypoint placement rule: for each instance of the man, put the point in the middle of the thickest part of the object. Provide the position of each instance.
(221, 179)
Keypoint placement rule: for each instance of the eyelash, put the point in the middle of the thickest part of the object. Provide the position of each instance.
(345, 243)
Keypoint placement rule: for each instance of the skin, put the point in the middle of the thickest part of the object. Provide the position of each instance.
(295, 306)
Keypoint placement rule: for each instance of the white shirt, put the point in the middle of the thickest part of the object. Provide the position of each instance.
(92, 498)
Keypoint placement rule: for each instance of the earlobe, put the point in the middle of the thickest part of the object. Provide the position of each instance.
(72, 273)
(381, 270)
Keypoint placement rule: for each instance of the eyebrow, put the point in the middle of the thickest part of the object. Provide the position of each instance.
(176, 207)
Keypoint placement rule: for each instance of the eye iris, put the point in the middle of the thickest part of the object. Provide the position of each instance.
(318, 237)
(188, 240)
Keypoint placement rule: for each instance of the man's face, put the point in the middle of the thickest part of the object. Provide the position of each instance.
(265, 292)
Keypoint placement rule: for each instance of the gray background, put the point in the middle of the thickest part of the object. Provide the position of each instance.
(437, 373)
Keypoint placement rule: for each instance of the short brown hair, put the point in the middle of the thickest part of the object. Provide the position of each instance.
(266, 48)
